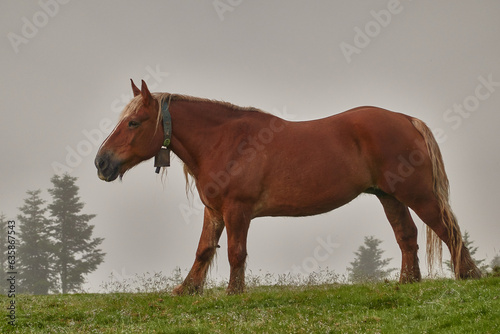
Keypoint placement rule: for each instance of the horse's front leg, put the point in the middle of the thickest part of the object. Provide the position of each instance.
(237, 224)
(213, 225)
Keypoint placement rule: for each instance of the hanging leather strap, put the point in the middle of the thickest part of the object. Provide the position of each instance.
(167, 123)
(162, 158)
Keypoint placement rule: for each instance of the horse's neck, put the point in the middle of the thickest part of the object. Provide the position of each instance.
(195, 129)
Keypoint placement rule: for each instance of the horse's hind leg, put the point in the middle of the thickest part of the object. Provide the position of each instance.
(443, 222)
(406, 235)
(213, 225)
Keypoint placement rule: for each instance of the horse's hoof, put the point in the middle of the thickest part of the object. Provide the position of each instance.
(178, 290)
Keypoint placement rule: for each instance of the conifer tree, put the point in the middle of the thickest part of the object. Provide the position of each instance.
(368, 264)
(76, 251)
(35, 249)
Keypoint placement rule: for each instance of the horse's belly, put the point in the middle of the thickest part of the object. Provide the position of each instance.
(296, 200)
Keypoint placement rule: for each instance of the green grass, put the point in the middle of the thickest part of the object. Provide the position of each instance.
(433, 306)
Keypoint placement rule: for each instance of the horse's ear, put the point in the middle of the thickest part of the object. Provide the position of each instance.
(136, 90)
(146, 95)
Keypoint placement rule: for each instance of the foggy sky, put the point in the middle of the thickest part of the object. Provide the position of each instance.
(65, 69)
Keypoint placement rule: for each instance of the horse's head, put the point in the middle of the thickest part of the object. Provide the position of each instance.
(138, 136)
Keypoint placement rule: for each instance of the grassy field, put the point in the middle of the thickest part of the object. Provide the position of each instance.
(433, 306)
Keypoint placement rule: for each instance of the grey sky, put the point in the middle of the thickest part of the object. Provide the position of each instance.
(65, 67)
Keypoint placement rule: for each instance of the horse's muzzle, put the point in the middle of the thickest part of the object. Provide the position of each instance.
(107, 169)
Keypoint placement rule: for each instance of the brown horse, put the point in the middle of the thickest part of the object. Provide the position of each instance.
(247, 163)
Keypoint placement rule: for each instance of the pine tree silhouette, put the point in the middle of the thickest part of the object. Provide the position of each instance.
(76, 251)
(368, 264)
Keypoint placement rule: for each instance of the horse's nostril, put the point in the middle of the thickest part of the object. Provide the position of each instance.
(101, 163)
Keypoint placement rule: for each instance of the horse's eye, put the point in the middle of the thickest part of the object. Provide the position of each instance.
(133, 124)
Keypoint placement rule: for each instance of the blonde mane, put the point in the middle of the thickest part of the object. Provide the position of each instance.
(133, 106)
